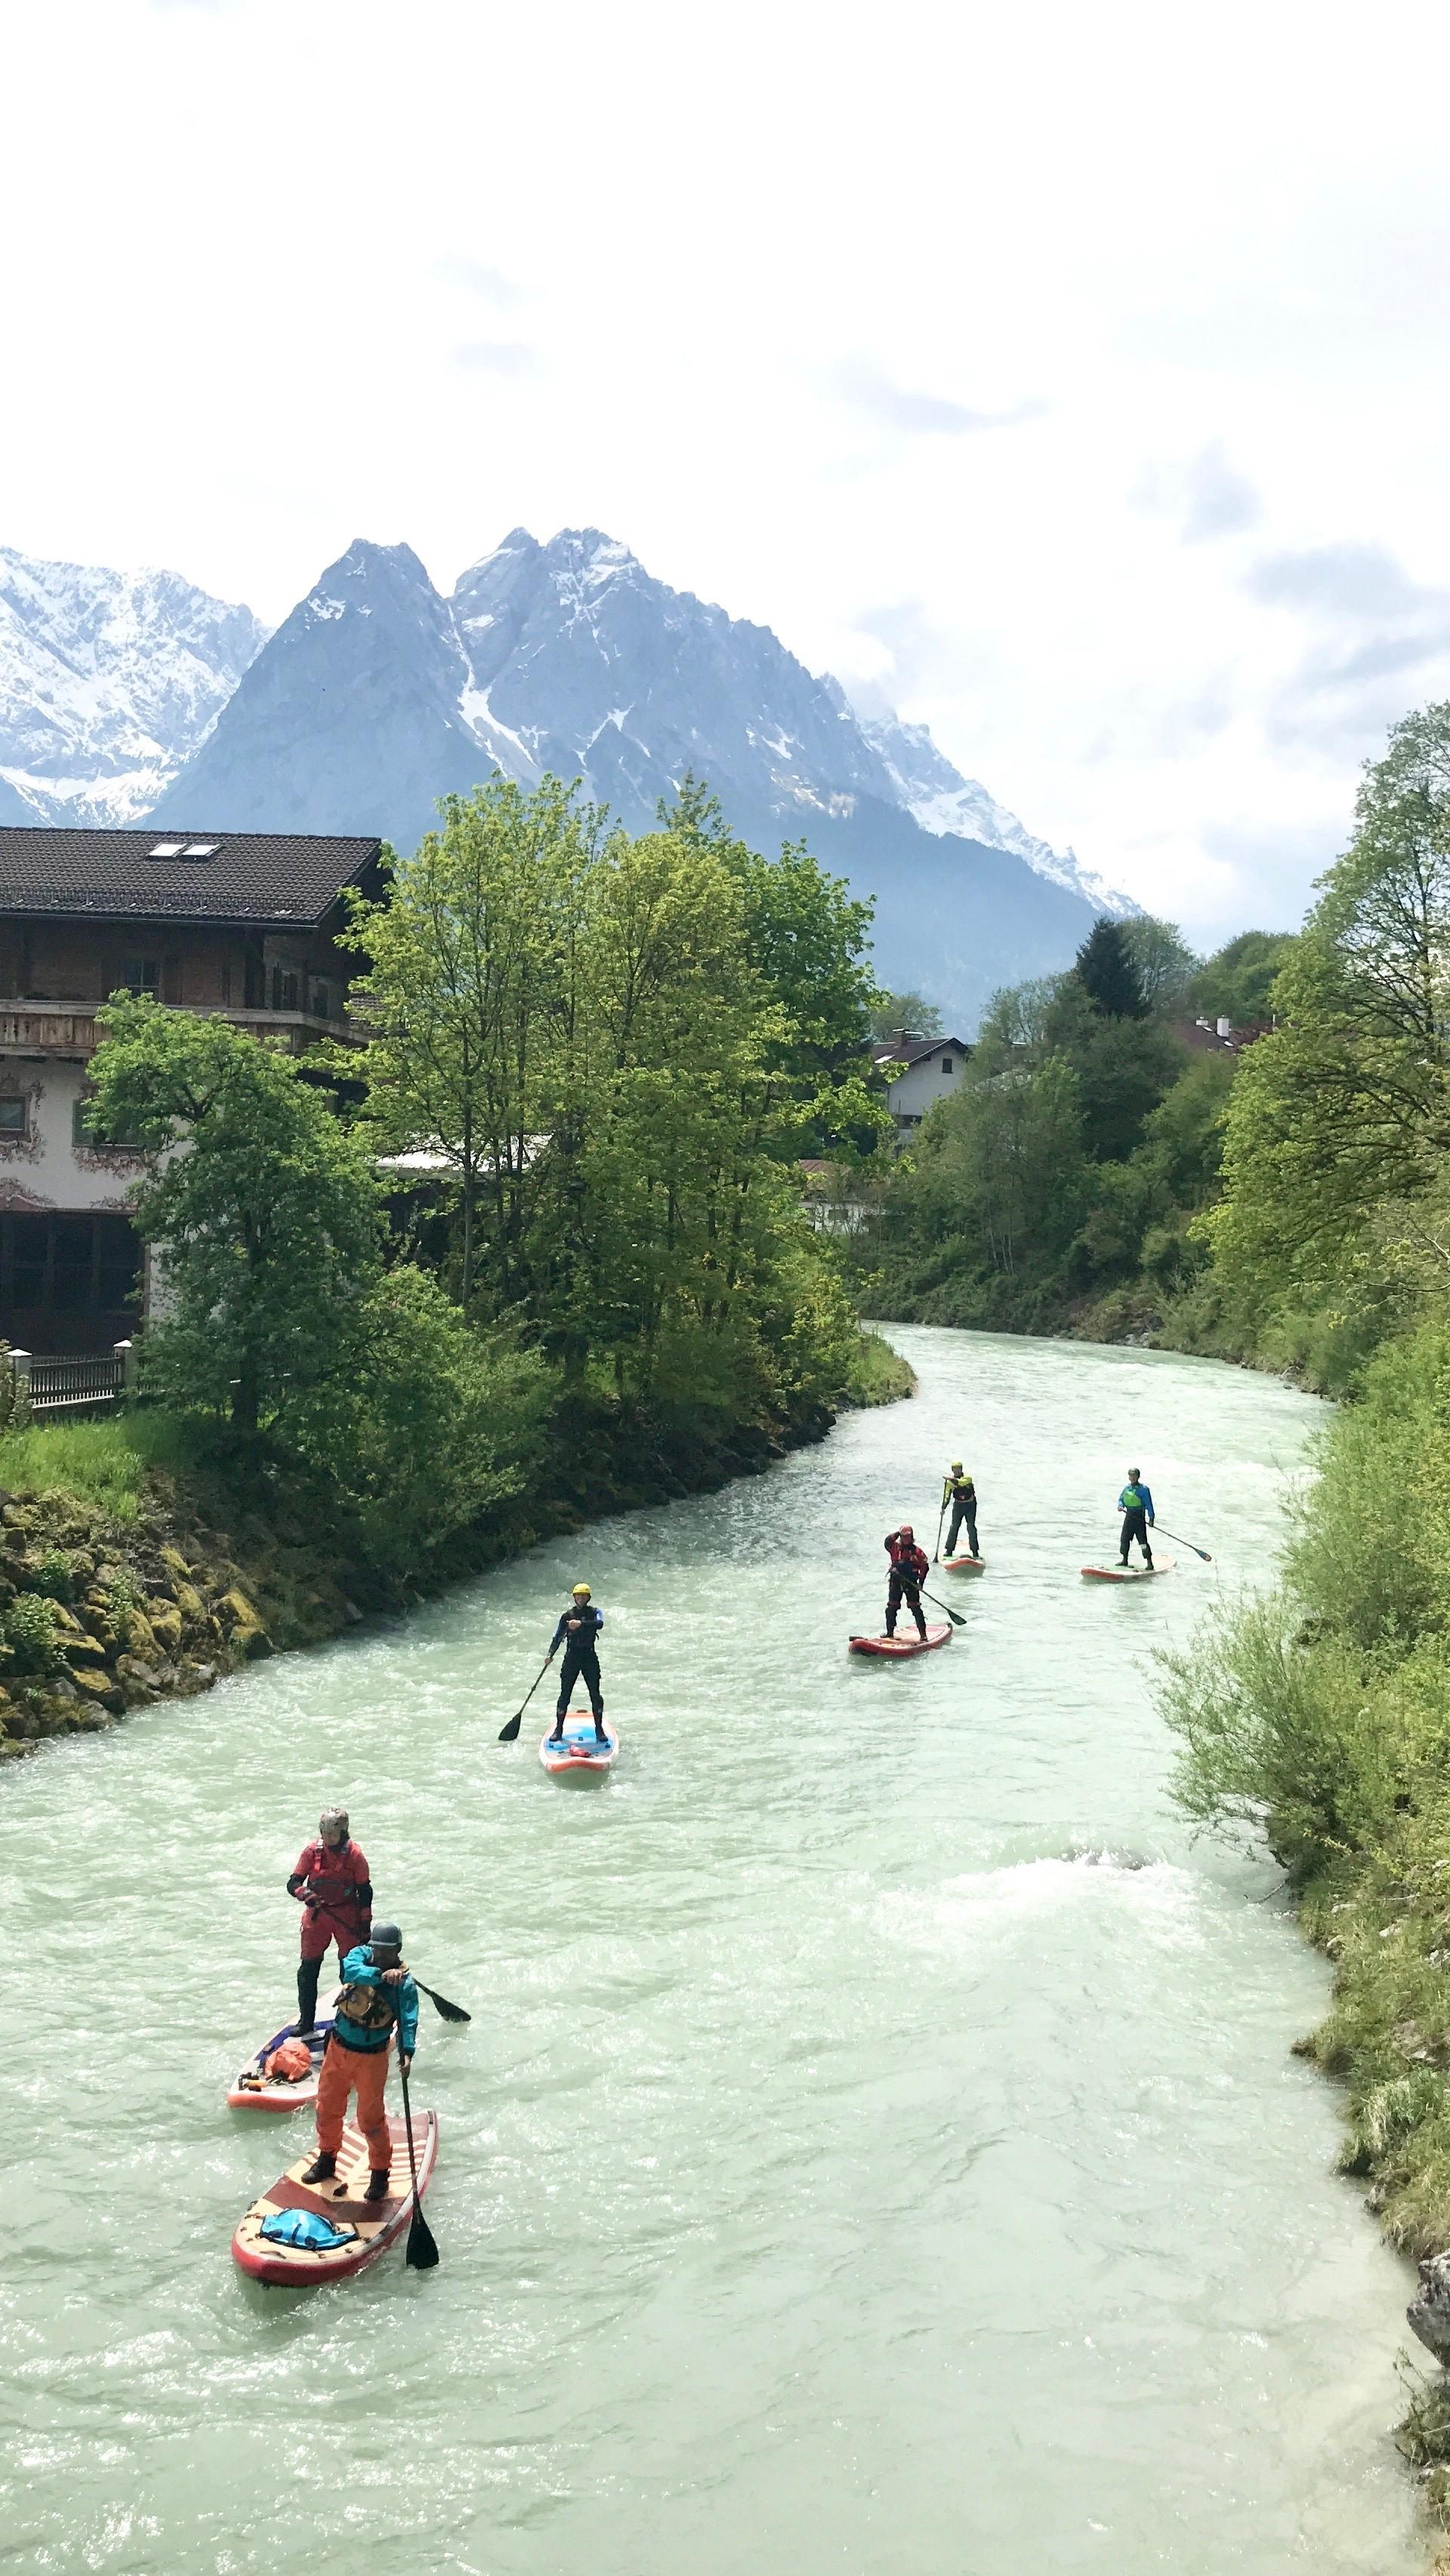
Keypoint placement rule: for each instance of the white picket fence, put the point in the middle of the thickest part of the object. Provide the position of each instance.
(66, 1385)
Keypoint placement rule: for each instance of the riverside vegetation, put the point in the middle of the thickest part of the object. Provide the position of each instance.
(536, 1252)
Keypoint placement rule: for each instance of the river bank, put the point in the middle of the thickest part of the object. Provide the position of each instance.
(135, 1566)
(877, 2057)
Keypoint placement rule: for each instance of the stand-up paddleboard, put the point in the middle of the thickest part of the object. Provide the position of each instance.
(255, 2091)
(377, 2224)
(1128, 1573)
(577, 1756)
(938, 1633)
(964, 1564)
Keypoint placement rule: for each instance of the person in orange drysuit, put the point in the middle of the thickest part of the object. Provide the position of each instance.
(331, 1883)
(378, 1994)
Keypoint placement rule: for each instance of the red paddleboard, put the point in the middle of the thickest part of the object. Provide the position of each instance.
(379, 2223)
(1128, 1573)
(578, 1755)
(938, 1633)
(255, 2091)
(963, 1564)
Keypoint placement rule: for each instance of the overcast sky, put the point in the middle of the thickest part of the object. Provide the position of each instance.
(1075, 379)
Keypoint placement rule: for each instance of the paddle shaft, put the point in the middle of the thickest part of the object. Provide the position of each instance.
(940, 1519)
(507, 1734)
(955, 1616)
(1186, 1542)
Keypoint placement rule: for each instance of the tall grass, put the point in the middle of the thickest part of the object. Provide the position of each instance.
(104, 1461)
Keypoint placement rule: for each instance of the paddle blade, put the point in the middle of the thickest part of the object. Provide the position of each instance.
(422, 2253)
(441, 2004)
(509, 1734)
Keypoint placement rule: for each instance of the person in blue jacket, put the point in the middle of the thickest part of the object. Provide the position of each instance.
(578, 1634)
(378, 1994)
(1135, 1502)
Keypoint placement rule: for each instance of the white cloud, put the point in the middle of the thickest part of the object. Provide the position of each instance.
(781, 333)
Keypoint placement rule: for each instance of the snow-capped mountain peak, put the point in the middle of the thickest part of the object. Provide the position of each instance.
(942, 801)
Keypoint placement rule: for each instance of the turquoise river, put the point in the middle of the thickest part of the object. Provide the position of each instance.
(876, 2150)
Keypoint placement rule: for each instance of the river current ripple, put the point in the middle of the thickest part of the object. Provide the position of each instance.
(876, 2148)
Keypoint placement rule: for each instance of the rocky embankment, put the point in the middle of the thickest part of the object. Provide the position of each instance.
(99, 1616)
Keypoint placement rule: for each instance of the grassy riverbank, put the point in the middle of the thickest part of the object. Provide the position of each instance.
(140, 1558)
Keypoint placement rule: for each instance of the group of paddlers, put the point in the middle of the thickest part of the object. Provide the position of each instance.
(910, 1564)
(333, 1885)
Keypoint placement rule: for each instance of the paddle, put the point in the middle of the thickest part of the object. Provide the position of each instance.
(1185, 1542)
(440, 2003)
(508, 1734)
(941, 1516)
(422, 2252)
(955, 1616)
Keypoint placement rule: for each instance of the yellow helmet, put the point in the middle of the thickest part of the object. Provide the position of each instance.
(581, 1592)
(956, 1467)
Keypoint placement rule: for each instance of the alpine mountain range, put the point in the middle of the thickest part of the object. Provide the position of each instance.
(126, 697)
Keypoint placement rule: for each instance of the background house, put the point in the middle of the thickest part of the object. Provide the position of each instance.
(929, 1069)
(239, 923)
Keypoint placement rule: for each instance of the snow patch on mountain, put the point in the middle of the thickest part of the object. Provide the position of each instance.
(943, 801)
(109, 681)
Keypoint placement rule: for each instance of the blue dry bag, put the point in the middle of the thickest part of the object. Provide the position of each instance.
(304, 2227)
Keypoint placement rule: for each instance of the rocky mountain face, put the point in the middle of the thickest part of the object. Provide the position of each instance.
(108, 683)
(378, 695)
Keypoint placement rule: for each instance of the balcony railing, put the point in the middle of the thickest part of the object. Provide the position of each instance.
(69, 1028)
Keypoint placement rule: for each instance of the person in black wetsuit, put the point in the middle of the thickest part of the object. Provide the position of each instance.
(578, 1634)
(960, 1491)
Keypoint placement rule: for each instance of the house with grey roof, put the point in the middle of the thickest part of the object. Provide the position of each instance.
(243, 924)
(918, 1072)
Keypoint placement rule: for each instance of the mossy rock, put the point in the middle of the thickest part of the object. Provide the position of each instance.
(82, 1650)
(100, 1687)
(164, 1621)
(193, 1609)
(137, 1680)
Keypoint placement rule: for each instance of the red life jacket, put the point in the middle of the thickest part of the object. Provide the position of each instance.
(908, 1558)
(332, 1878)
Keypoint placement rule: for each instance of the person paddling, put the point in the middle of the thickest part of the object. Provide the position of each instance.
(910, 1567)
(331, 1882)
(377, 1994)
(960, 1491)
(1135, 1502)
(578, 1634)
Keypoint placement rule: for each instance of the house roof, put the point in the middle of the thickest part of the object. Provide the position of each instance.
(916, 1050)
(286, 877)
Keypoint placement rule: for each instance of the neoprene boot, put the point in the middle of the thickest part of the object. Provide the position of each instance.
(378, 2184)
(558, 1735)
(308, 1971)
(322, 2168)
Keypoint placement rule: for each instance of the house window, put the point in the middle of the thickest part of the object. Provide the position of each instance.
(946, 1064)
(83, 1134)
(143, 975)
(284, 990)
(14, 1114)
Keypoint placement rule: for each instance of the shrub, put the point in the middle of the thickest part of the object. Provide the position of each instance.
(30, 1634)
(53, 1576)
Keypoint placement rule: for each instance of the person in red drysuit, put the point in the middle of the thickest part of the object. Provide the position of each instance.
(331, 1883)
(910, 1567)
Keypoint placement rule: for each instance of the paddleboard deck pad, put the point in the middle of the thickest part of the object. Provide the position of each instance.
(1128, 1573)
(379, 2223)
(254, 2091)
(907, 1642)
(577, 1755)
(964, 1564)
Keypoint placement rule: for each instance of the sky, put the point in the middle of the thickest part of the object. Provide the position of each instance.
(1075, 381)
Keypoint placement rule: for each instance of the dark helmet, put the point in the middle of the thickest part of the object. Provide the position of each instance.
(385, 1936)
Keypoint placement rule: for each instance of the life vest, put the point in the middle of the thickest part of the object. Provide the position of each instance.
(1132, 1499)
(368, 2008)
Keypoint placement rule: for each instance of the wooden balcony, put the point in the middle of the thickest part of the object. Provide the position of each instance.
(68, 1029)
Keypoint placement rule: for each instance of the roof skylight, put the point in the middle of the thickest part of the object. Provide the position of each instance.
(166, 850)
(184, 850)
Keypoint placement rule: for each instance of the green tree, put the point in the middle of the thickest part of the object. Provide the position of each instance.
(467, 991)
(262, 1209)
(892, 1013)
(1237, 982)
(1107, 971)
(1339, 1127)
(1164, 963)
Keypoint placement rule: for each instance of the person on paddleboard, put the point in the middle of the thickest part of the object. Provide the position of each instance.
(332, 1885)
(910, 1567)
(1135, 1502)
(578, 1634)
(960, 1492)
(378, 1995)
